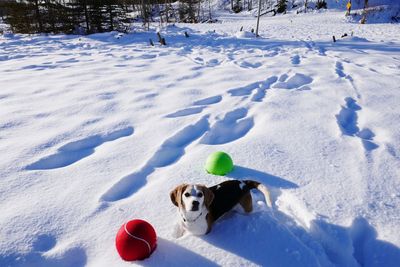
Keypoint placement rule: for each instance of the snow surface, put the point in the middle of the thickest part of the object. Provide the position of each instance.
(97, 130)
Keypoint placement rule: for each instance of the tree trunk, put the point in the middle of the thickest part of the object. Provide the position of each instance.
(111, 17)
(86, 17)
(38, 18)
(166, 10)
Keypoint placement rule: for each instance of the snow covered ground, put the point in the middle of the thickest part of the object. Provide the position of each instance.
(97, 130)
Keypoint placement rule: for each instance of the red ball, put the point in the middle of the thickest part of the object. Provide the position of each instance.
(136, 240)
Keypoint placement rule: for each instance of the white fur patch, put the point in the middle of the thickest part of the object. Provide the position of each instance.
(193, 192)
(193, 222)
(242, 184)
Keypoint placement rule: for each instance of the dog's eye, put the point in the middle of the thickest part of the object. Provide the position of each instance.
(187, 195)
(199, 194)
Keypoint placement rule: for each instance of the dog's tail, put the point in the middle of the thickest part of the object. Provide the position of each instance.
(262, 188)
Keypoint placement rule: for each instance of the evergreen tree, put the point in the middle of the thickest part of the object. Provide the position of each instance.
(281, 6)
(90, 16)
(321, 4)
(187, 11)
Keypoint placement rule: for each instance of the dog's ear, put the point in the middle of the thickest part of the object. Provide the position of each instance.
(208, 196)
(176, 194)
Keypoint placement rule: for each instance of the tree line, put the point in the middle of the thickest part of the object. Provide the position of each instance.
(93, 16)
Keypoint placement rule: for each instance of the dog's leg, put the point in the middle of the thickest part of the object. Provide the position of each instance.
(246, 202)
(178, 231)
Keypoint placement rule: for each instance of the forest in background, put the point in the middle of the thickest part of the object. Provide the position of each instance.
(93, 16)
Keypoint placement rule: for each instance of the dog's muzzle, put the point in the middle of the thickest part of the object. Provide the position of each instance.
(195, 205)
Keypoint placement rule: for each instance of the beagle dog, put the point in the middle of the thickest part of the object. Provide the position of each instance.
(200, 206)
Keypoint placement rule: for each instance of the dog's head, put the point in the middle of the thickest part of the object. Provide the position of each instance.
(191, 198)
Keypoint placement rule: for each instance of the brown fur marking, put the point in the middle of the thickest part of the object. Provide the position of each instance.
(208, 195)
(176, 195)
(246, 202)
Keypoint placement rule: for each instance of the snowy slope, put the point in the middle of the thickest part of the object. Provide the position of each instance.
(97, 130)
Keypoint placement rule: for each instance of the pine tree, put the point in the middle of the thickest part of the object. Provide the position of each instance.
(187, 11)
(321, 4)
(281, 6)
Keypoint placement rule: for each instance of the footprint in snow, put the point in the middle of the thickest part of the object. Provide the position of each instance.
(308, 45)
(147, 56)
(249, 65)
(297, 81)
(261, 90)
(245, 90)
(248, 89)
(368, 248)
(367, 137)
(208, 101)
(295, 60)
(75, 256)
(156, 77)
(40, 67)
(168, 153)
(347, 117)
(194, 75)
(341, 74)
(232, 127)
(356, 245)
(213, 62)
(70, 60)
(44, 243)
(4, 96)
(322, 51)
(195, 110)
(107, 95)
(339, 69)
(347, 121)
(198, 60)
(283, 77)
(185, 112)
(77, 150)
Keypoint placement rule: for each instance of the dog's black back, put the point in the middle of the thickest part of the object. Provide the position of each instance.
(227, 194)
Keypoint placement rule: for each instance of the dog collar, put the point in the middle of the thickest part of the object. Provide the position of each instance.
(190, 221)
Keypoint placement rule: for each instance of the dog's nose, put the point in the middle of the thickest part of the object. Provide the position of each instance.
(195, 205)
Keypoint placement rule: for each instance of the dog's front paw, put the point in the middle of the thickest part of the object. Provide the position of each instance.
(178, 231)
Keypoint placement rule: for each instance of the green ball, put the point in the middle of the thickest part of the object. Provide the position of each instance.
(219, 163)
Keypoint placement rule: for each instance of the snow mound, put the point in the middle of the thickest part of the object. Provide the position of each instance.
(244, 34)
